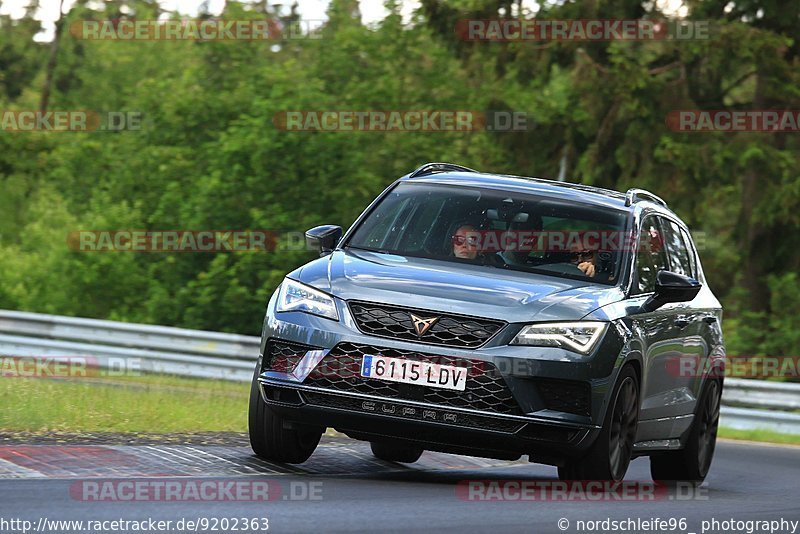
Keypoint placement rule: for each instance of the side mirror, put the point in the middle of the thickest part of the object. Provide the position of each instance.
(324, 238)
(671, 287)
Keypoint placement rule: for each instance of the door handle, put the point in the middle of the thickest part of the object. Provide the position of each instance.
(681, 321)
(710, 319)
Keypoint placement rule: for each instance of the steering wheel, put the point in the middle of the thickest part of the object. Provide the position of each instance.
(496, 260)
(571, 268)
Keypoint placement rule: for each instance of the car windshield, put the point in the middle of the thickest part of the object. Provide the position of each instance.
(497, 229)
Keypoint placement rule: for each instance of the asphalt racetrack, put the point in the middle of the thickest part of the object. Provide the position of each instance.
(342, 488)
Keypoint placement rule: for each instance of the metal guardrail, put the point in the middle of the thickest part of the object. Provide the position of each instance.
(747, 419)
(758, 404)
(782, 396)
(158, 349)
(747, 404)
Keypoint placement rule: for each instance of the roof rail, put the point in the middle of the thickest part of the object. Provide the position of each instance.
(635, 194)
(430, 168)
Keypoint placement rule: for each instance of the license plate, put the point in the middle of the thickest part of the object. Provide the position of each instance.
(412, 372)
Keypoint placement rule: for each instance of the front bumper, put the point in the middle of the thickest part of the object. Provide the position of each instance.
(537, 428)
(445, 429)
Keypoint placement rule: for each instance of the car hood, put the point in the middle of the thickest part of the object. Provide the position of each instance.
(450, 287)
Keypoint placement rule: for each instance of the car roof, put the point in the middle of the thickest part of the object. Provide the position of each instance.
(542, 186)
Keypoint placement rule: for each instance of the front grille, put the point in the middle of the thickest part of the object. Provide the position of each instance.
(565, 395)
(450, 330)
(283, 356)
(466, 420)
(485, 388)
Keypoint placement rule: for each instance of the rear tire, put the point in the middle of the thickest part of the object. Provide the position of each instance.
(392, 452)
(609, 456)
(275, 439)
(691, 464)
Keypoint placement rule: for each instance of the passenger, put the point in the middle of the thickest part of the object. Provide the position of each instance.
(465, 242)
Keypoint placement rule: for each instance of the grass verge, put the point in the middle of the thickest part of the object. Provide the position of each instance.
(768, 436)
(149, 403)
(161, 404)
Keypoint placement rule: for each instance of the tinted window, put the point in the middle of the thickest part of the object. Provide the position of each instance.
(676, 248)
(691, 251)
(385, 225)
(650, 256)
(496, 229)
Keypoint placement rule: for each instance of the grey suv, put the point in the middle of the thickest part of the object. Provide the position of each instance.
(498, 316)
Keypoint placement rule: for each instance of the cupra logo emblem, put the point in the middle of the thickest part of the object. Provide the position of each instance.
(422, 325)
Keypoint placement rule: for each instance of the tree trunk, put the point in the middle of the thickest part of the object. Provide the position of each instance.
(754, 241)
(51, 62)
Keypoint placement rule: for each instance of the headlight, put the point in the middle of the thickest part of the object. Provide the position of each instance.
(295, 296)
(580, 337)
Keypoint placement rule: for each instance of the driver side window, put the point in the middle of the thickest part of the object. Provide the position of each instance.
(650, 256)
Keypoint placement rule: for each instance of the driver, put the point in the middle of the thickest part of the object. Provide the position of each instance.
(585, 259)
(591, 261)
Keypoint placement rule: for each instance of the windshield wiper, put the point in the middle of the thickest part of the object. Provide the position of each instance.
(368, 249)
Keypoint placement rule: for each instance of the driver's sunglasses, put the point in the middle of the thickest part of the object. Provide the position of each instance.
(462, 240)
(583, 255)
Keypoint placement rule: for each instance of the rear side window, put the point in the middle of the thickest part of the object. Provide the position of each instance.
(690, 249)
(678, 254)
(650, 257)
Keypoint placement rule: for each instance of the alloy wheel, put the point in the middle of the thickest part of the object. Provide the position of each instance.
(623, 428)
(709, 421)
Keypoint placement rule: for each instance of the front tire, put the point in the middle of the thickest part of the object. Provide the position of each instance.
(273, 438)
(691, 464)
(609, 456)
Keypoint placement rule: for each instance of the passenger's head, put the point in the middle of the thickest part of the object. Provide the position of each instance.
(465, 242)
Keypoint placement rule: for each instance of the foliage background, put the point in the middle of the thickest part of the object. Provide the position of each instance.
(209, 156)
